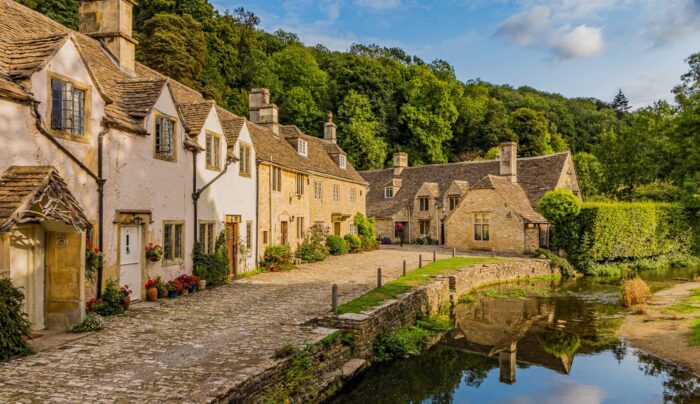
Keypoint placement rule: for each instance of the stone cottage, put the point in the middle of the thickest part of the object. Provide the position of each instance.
(479, 205)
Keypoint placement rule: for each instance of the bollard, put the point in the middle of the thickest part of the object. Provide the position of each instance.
(334, 297)
(379, 277)
(404, 267)
(493, 252)
(420, 261)
(434, 256)
(454, 252)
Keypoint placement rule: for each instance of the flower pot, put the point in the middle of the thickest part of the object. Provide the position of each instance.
(152, 294)
(202, 284)
(126, 302)
(154, 258)
(193, 288)
(172, 294)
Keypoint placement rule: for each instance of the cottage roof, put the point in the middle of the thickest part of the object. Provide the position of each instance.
(536, 175)
(231, 123)
(195, 115)
(32, 194)
(514, 196)
(140, 95)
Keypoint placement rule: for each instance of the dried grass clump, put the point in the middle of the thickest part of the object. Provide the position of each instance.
(634, 291)
(640, 309)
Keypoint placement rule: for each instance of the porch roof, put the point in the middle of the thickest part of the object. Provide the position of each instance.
(34, 194)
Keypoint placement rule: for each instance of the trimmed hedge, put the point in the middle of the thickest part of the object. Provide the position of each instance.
(336, 245)
(14, 325)
(621, 231)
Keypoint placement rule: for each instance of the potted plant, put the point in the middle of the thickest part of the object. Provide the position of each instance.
(154, 252)
(194, 283)
(174, 288)
(126, 297)
(152, 292)
(162, 287)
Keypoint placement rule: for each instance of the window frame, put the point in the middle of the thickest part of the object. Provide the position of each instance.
(87, 108)
(174, 260)
(303, 151)
(249, 234)
(300, 228)
(453, 201)
(336, 193)
(208, 240)
(342, 161)
(160, 156)
(482, 229)
(244, 160)
(318, 190)
(276, 179)
(391, 191)
(425, 199)
(353, 195)
(421, 223)
(216, 152)
(300, 179)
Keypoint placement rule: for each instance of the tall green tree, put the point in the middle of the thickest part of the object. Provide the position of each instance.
(620, 103)
(530, 128)
(63, 11)
(590, 174)
(359, 133)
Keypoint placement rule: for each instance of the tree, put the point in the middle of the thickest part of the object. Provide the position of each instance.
(173, 45)
(63, 11)
(530, 128)
(590, 173)
(359, 133)
(300, 109)
(559, 205)
(620, 103)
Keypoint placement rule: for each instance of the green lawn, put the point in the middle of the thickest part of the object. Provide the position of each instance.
(694, 338)
(688, 305)
(404, 284)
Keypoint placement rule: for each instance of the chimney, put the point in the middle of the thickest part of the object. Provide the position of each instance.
(329, 129)
(400, 162)
(261, 111)
(508, 157)
(109, 21)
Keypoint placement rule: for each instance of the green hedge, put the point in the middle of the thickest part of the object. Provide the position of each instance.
(14, 326)
(622, 231)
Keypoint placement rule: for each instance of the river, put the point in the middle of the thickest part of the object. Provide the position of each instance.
(534, 341)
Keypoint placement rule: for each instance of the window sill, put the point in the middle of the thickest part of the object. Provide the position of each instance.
(213, 168)
(69, 136)
(170, 263)
(165, 158)
(245, 175)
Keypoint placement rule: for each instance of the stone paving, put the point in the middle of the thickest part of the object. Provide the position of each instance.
(196, 347)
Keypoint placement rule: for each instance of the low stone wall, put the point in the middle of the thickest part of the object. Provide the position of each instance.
(426, 300)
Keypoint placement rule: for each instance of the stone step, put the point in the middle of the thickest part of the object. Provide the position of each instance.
(351, 367)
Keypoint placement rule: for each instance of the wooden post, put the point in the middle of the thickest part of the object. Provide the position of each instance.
(493, 252)
(334, 297)
(404, 267)
(434, 255)
(379, 277)
(454, 252)
(420, 261)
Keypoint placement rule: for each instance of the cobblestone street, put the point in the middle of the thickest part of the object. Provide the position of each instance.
(190, 348)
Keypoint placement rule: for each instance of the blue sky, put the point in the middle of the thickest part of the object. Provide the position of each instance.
(579, 48)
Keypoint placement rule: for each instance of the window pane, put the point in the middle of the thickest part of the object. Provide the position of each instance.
(477, 232)
(486, 232)
(209, 150)
(56, 103)
(210, 238)
(168, 241)
(177, 248)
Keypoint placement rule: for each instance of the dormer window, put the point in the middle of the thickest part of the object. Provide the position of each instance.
(303, 147)
(213, 151)
(165, 138)
(424, 203)
(388, 192)
(342, 161)
(453, 200)
(68, 107)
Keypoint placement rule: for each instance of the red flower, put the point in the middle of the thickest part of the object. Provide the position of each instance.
(89, 246)
(97, 250)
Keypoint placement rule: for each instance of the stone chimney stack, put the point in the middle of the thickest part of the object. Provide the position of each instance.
(400, 162)
(329, 129)
(109, 21)
(508, 157)
(261, 111)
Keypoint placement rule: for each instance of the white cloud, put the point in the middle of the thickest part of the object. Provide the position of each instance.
(679, 19)
(378, 4)
(525, 28)
(581, 42)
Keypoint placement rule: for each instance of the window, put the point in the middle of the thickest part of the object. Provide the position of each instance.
(68, 107)
(206, 236)
(213, 151)
(249, 235)
(303, 147)
(318, 190)
(276, 179)
(300, 184)
(173, 240)
(481, 227)
(264, 236)
(353, 195)
(453, 200)
(353, 229)
(342, 161)
(300, 227)
(424, 202)
(424, 227)
(165, 138)
(336, 193)
(388, 192)
(244, 156)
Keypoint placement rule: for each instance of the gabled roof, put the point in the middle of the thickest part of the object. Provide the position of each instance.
(13, 90)
(140, 95)
(514, 196)
(536, 176)
(232, 125)
(34, 194)
(195, 115)
(20, 58)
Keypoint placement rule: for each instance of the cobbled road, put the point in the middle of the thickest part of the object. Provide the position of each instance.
(195, 348)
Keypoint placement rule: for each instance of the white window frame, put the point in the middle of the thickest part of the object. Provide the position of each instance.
(318, 190)
(388, 192)
(342, 161)
(336, 193)
(303, 147)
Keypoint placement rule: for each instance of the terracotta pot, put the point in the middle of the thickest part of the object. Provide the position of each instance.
(126, 302)
(202, 284)
(152, 294)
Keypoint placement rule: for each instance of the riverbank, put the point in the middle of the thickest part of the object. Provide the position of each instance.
(663, 328)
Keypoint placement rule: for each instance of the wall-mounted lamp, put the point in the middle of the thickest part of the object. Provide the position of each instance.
(138, 220)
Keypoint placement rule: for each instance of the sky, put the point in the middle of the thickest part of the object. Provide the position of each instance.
(578, 48)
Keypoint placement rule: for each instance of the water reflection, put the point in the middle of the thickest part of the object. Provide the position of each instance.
(555, 345)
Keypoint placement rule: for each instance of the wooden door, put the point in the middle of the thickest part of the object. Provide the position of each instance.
(130, 251)
(284, 236)
(232, 235)
(336, 228)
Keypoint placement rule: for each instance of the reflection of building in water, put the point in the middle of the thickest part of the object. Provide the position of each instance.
(513, 329)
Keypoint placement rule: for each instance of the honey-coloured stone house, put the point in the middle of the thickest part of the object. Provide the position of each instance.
(474, 205)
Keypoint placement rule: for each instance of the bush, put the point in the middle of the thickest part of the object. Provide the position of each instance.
(399, 343)
(111, 302)
(562, 263)
(369, 243)
(659, 191)
(312, 248)
(336, 245)
(365, 226)
(14, 326)
(353, 242)
(92, 322)
(213, 268)
(277, 258)
(634, 291)
(559, 206)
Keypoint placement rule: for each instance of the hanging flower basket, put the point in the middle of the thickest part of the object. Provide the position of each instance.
(154, 252)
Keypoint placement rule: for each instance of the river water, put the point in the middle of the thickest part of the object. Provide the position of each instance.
(542, 341)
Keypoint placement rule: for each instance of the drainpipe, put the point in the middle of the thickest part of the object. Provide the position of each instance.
(198, 192)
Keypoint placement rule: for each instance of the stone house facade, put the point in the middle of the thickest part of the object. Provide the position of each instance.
(438, 202)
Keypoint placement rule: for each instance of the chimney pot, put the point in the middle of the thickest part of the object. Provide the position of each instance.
(400, 162)
(329, 129)
(261, 111)
(508, 157)
(110, 22)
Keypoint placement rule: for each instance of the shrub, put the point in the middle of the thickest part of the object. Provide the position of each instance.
(560, 262)
(365, 226)
(336, 245)
(634, 291)
(111, 302)
(659, 191)
(353, 242)
(14, 326)
(402, 342)
(559, 206)
(312, 248)
(213, 268)
(277, 258)
(369, 244)
(92, 322)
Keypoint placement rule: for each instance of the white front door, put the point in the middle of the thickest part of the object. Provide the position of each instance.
(130, 259)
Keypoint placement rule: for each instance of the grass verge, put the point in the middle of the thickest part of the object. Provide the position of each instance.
(404, 284)
(694, 337)
(690, 304)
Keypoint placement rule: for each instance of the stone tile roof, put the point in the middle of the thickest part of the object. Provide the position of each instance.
(231, 123)
(30, 194)
(513, 194)
(536, 175)
(13, 90)
(21, 57)
(140, 95)
(275, 149)
(195, 115)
